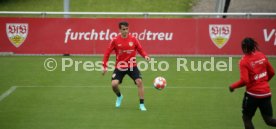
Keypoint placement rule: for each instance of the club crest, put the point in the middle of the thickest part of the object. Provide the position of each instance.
(219, 34)
(17, 33)
(130, 44)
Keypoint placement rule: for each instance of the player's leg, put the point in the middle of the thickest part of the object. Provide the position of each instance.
(247, 121)
(135, 74)
(140, 87)
(249, 108)
(117, 78)
(269, 120)
(115, 87)
(267, 112)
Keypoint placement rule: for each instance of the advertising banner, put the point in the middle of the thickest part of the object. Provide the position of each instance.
(174, 36)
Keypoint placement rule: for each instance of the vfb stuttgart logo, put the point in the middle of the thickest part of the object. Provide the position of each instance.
(219, 34)
(17, 33)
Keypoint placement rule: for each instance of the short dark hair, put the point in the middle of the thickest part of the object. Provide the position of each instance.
(249, 45)
(123, 23)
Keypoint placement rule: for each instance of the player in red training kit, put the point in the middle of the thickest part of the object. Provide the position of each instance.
(125, 47)
(255, 72)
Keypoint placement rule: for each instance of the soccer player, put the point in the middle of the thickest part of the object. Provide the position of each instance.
(255, 72)
(125, 47)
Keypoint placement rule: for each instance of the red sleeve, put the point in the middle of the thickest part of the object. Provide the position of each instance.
(244, 78)
(107, 53)
(140, 49)
(270, 70)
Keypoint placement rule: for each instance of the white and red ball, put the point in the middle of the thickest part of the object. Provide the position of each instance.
(159, 83)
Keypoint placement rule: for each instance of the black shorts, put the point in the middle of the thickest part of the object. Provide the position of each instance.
(133, 73)
(250, 105)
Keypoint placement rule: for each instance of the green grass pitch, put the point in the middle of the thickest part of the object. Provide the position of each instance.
(84, 100)
(97, 6)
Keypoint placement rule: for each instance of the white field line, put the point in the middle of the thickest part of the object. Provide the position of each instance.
(122, 86)
(132, 86)
(13, 88)
(7, 93)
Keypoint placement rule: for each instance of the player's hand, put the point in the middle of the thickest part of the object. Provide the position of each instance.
(231, 89)
(104, 71)
(147, 58)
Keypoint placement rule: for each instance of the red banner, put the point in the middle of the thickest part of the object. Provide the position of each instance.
(157, 36)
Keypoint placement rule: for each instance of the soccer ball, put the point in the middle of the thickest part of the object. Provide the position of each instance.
(159, 83)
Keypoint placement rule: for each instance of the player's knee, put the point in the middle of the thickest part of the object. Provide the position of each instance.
(139, 82)
(270, 121)
(115, 83)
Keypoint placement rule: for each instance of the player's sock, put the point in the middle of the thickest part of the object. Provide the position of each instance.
(116, 91)
(141, 101)
(118, 94)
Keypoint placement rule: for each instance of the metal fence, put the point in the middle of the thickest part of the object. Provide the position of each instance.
(141, 14)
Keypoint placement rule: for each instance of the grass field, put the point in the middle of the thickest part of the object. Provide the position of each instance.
(71, 99)
(97, 6)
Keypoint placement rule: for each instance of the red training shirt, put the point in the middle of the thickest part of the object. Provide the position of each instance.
(125, 50)
(255, 72)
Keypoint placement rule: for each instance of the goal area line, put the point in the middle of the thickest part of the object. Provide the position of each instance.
(13, 88)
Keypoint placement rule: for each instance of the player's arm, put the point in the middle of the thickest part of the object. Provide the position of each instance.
(141, 50)
(244, 78)
(107, 55)
(270, 70)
